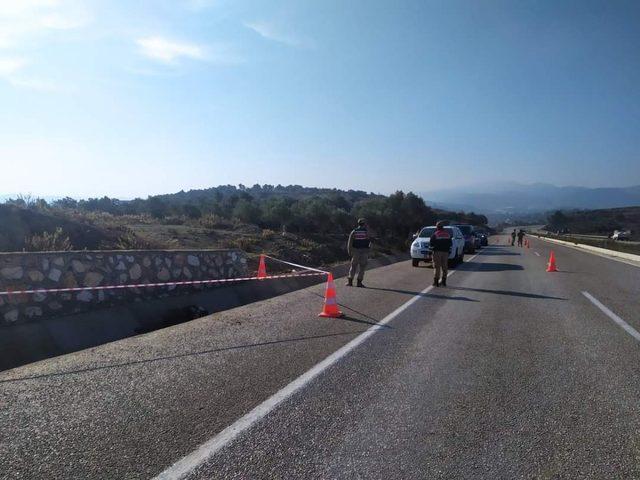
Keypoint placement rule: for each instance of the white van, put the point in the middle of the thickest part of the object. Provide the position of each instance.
(421, 251)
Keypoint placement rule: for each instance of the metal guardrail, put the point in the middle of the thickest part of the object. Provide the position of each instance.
(603, 242)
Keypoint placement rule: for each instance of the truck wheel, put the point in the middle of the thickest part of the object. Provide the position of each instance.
(415, 262)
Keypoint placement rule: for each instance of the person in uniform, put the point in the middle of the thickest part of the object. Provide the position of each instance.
(440, 244)
(513, 237)
(520, 237)
(358, 248)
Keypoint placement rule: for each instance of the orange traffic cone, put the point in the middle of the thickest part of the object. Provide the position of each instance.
(527, 242)
(330, 308)
(262, 268)
(551, 266)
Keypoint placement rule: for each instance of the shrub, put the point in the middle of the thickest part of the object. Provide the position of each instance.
(212, 221)
(48, 242)
(173, 220)
(268, 234)
(131, 241)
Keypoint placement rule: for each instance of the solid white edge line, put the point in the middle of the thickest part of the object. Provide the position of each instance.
(208, 449)
(628, 328)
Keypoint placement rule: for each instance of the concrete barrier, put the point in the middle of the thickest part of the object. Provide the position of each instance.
(596, 250)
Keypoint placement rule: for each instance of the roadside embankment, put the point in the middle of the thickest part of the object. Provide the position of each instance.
(89, 271)
(582, 245)
(44, 337)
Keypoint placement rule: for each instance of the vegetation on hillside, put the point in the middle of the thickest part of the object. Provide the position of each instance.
(596, 222)
(294, 221)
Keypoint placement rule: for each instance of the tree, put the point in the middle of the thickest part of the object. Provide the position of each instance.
(276, 212)
(191, 211)
(157, 207)
(558, 220)
(246, 211)
(66, 202)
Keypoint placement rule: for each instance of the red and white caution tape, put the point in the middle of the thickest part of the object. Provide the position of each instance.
(162, 284)
(298, 266)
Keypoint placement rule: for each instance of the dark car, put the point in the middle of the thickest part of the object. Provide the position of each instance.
(483, 237)
(469, 238)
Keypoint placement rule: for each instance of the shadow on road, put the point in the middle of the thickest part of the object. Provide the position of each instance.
(488, 267)
(374, 321)
(508, 292)
(180, 355)
(424, 295)
(358, 320)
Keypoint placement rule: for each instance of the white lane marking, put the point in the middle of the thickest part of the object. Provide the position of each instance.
(628, 328)
(208, 449)
(537, 253)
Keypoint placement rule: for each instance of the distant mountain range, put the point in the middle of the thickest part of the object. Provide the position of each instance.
(511, 197)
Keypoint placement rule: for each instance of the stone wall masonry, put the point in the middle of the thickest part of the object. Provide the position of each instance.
(47, 270)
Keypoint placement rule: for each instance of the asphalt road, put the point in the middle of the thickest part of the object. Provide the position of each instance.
(509, 372)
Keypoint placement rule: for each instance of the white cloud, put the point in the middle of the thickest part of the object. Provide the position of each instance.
(11, 71)
(20, 20)
(168, 51)
(271, 32)
(33, 84)
(10, 66)
(23, 23)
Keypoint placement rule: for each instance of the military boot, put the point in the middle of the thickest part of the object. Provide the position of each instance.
(349, 282)
(444, 281)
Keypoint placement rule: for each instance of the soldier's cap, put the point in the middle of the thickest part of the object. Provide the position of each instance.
(361, 221)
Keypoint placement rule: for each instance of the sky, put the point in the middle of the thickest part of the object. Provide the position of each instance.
(129, 98)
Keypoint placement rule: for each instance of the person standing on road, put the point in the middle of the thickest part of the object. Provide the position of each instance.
(358, 247)
(441, 244)
(513, 237)
(520, 237)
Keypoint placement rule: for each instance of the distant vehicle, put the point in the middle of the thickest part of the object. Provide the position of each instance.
(469, 239)
(621, 235)
(482, 236)
(476, 240)
(421, 251)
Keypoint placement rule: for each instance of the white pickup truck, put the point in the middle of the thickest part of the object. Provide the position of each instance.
(421, 251)
(621, 235)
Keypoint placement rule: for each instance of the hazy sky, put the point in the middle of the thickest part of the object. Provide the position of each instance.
(129, 98)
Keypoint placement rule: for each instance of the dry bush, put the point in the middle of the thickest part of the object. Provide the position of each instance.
(308, 243)
(268, 234)
(246, 244)
(130, 241)
(212, 221)
(48, 242)
(174, 220)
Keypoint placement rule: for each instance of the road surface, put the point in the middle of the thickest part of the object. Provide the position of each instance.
(509, 372)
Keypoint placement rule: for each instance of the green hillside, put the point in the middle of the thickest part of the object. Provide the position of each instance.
(299, 223)
(597, 222)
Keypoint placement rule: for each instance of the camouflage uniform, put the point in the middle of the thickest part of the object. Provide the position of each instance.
(358, 248)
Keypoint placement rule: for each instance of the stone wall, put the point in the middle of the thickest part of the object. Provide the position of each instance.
(34, 271)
